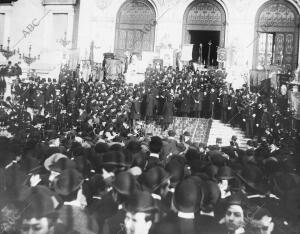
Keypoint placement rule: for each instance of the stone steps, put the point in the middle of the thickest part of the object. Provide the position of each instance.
(225, 131)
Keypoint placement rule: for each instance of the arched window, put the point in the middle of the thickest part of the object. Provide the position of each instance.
(276, 35)
(135, 27)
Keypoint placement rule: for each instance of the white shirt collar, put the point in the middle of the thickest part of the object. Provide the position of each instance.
(156, 196)
(212, 214)
(185, 215)
(240, 230)
(154, 155)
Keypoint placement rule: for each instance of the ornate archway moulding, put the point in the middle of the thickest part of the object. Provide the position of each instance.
(119, 3)
(135, 27)
(224, 3)
(204, 15)
(295, 3)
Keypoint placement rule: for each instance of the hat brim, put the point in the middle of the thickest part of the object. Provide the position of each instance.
(260, 188)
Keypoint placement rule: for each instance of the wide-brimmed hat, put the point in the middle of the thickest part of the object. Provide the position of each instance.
(53, 159)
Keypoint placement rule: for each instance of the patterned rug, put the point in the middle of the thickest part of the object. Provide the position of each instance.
(198, 128)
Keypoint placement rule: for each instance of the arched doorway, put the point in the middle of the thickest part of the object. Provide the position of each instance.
(276, 36)
(204, 21)
(135, 27)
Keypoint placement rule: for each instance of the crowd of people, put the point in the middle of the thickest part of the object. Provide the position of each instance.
(72, 160)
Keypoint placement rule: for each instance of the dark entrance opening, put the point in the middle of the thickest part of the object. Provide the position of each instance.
(203, 37)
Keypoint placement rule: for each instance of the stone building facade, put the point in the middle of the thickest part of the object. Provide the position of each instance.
(256, 34)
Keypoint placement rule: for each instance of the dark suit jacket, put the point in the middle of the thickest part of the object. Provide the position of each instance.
(172, 224)
(115, 224)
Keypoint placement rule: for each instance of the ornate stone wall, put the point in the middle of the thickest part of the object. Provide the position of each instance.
(97, 22)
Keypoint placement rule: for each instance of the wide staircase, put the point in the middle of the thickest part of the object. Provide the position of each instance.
(225, 131)
(201, 130)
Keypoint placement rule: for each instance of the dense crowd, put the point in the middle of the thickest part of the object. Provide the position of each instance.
(73, 162)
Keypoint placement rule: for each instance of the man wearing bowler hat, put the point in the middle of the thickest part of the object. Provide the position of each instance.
(140, 213)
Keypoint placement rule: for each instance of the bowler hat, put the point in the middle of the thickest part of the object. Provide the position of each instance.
(171, 133)
(225, 173)
(114, 158)
(187, 196)
(211, 193)
(67, 182)
(252, 177)
(140, 201)
(124, 183)
(154, 178)
(38, 201)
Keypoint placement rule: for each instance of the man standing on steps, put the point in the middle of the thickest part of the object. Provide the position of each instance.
(225, 104)
(212, 102)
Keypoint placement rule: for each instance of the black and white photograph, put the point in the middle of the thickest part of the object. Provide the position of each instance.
(149, 117)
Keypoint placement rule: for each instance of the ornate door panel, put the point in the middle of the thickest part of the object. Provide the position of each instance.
(135, 27)
(280, 19)
(204, 15)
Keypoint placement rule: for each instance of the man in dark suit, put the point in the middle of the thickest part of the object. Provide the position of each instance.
(187, 199)
(140, 214)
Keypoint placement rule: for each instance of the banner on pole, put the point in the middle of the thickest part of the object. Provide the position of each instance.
(295, 103)
(187, 51)
(221, 55)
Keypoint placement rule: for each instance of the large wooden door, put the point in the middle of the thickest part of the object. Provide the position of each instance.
(135, 27)
(276, 35)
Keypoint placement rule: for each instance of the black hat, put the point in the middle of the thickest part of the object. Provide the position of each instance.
(140, 201)
(38, 201)
(101, 147)
(238, 198)
(217, 158)
(67, 182)
(171, 133)
(124, 183)
(225, 173)
(115, 159)
(187, 196)
(154, 178)
(252, 177)
(212, 194)
(176, 170)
